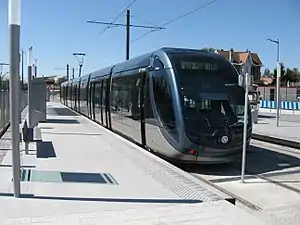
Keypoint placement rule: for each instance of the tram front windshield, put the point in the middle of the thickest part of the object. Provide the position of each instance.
(210, 99)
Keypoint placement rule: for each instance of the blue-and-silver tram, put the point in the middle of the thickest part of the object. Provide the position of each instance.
(186, 105)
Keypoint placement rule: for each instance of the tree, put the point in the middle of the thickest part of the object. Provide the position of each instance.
(292, 75)
(267, 73)
(296, 74)
(209, 49)
(282, 74)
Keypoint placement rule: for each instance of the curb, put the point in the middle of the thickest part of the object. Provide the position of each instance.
(275, 140)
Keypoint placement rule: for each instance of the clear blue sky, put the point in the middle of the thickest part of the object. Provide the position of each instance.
(57, 28)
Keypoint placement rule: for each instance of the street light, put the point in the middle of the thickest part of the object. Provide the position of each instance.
(80, 59)
(277, 79)
(14, 19)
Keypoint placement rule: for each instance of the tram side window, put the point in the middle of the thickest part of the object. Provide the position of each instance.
(104, 93)
(163, 97)
(82, 92)
(116, 95)
(97, 99)
(147, 103)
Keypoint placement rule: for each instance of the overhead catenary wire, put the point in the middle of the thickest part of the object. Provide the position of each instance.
(116, 18)
(176, 19)
(111, 24)
(168, 23)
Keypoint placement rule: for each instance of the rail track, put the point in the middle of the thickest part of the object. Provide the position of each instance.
(275, 140)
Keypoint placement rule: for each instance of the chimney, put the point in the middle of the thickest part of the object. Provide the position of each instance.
(230, 54)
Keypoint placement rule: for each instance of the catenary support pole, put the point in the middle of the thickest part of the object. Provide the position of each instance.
(127, 34)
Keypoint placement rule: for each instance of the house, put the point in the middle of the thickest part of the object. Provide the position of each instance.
(244, 62)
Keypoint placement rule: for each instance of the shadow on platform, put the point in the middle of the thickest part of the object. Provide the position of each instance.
(10, 166)
(46, 128)
(258, 161)
(45, 149)
(260, 121)
(61, 121)
(267, 116)
(73, 133)
(115, 200)
(61, 112)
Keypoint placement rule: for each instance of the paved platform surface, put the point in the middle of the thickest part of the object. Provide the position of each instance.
(84, 174)
(289, 126)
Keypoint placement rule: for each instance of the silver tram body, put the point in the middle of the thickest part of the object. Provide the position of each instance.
(183, 104)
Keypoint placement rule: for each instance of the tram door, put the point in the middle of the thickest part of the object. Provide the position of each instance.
(75, 96)
(105, 102)
(93, 100)
(89, 100)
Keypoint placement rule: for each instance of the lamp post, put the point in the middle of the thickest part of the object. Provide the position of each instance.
(277, 79)
(14, 21)
(80, 59)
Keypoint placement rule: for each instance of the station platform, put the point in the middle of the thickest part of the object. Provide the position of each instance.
(81, 173)
(288, 129)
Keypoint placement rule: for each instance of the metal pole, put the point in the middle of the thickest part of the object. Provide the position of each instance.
(245, 127)
(80, 68)
(278, 50)
(68, 71)
(14, 17)
(22, 69)
(127, 33)
(35, 68)
(73, 73)
(277, 92)
(29, 87)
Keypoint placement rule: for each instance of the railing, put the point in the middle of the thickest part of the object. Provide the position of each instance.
(4, 107)
(283, 105)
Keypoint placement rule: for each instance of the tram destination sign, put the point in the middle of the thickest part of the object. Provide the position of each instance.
(205, 66)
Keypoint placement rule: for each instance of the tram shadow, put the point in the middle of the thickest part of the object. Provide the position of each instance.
(259, 160)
